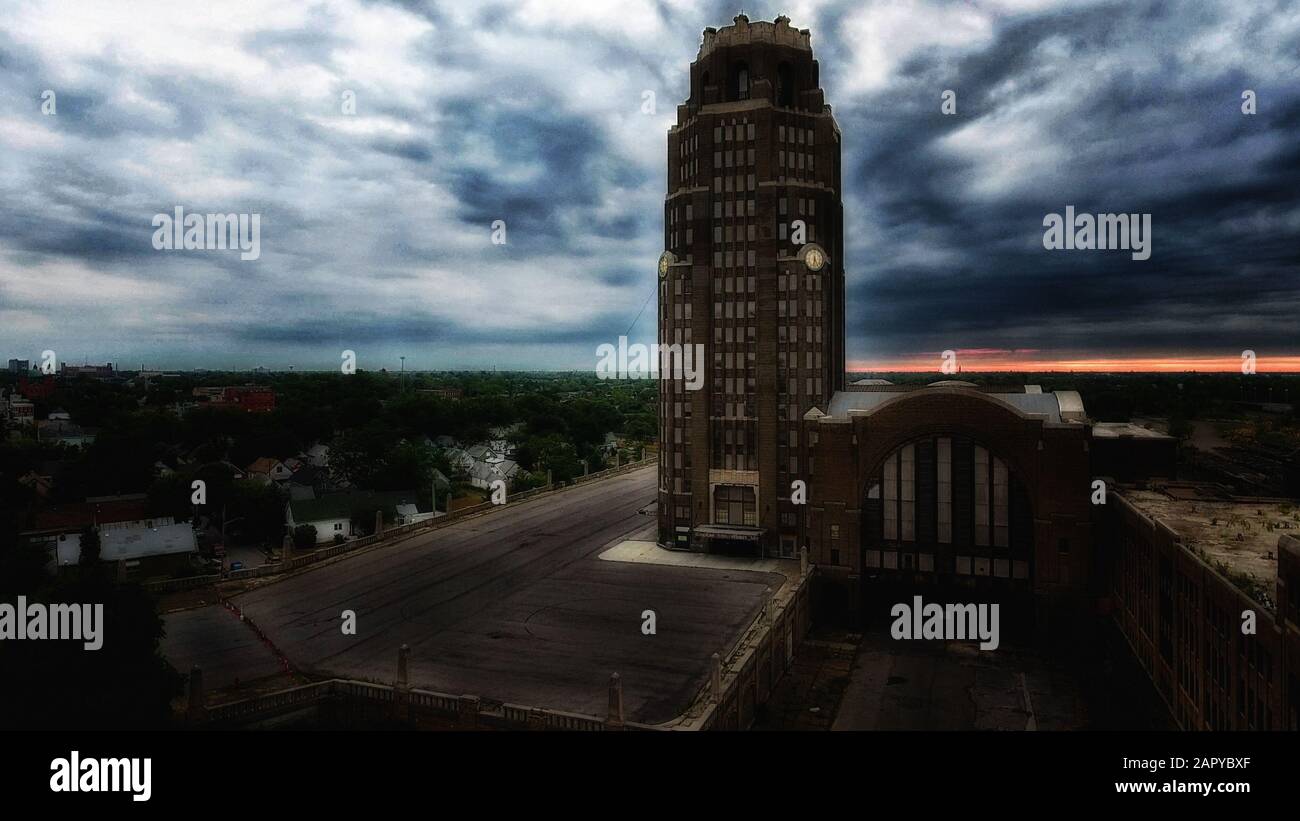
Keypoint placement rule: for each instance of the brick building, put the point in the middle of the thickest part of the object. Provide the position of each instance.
(753, 272)
(949, 483)
(1184, 565)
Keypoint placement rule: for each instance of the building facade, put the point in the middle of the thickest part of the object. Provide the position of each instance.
(1205, 589)
(752, 274)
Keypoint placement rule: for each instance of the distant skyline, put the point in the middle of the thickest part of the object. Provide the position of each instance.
(376, 227)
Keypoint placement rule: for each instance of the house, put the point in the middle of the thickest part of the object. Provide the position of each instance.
(43, 486)
(21, 412)
(481, 453)
(408, 514)
(268, 470)
(332, 513)
(309, 477)
(318, 456)
(56, 525)
(460, 459)
(499, 439)
(483, 474)
(443, 393)
(65, 433)
(157, 548)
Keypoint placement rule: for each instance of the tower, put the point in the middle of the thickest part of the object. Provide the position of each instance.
(753, 273)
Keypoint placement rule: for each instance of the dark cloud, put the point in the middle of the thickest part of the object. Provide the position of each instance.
(376, 227)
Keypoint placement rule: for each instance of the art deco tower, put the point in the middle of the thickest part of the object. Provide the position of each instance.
(753, 271)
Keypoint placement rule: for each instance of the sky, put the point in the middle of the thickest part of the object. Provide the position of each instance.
(377, 225)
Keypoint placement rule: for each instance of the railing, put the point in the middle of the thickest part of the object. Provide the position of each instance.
(391, 534)
(406, 704)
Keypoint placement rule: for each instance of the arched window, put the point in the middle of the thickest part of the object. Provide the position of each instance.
(784, 86)
(952, 504)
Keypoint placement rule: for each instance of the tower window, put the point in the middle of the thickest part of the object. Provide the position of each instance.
(740, 82)
(784, 86)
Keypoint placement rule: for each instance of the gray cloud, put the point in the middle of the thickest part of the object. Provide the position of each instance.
(376, 227)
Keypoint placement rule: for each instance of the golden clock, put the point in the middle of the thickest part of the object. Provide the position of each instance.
(814, 259)
(665, 259)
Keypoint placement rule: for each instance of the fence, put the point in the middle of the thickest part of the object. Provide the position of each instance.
(414, 707)
(391, 534)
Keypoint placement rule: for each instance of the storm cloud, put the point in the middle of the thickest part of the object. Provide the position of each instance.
(376, 226)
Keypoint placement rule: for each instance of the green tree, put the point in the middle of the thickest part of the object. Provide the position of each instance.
(90, 548)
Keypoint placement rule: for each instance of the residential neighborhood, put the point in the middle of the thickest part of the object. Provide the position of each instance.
(285, 461)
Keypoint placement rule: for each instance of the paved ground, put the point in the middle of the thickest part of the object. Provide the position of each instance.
(513, 606)
(808, 695)
(213, 638)
(931, 685)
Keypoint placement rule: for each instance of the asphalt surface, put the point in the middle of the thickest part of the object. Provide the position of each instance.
(512, 606)
(935, 685)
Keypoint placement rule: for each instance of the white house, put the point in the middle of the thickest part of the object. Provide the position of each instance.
(330, 515)
(269, 470)
(318, 455)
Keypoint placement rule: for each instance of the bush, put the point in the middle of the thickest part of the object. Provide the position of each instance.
(304, 537)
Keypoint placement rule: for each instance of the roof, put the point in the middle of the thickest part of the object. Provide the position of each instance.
(1116, 430)
(307, 474)
(341, 505)
(126, 543)
(263, 465)
(70, 518)
(1045, 405)
(1239, 533)
(137, 542)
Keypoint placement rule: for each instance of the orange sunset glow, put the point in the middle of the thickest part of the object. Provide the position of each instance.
(990, 361)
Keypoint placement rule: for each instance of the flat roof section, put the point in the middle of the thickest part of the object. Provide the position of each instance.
(1240, 534)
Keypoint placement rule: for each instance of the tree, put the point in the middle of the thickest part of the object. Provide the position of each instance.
(260, 509)
(170, 496)
(407, 465)
(58, 685)
(89, 548)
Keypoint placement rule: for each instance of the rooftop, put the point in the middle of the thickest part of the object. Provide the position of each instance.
(744, 32)
(1052, 407)
(1237, 536)
(1116, 430)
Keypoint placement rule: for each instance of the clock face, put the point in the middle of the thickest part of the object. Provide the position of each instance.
(665, 259)
(814, 259)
